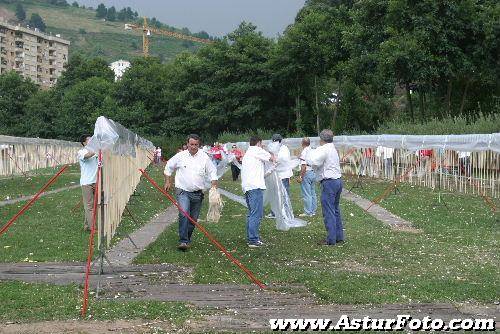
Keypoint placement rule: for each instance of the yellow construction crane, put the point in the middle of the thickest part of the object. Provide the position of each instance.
(147, 31)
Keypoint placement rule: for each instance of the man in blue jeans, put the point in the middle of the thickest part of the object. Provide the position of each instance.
(191, 168)
(307, 181)
(325, 160)
(253, 184)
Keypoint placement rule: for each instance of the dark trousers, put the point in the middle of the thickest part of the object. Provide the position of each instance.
(330, 203)
(190, 202)
(235, 171)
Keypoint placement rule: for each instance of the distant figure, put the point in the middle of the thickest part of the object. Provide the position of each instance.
(238, 154)
(191, 167)
(158, 155)
(307, 181)
(88, 174)
(216, 153)
(325, 160)
(253, 184)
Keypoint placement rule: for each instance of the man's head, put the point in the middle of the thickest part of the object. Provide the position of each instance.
(326, 136)
(277, 137)
(234, 147)
(193, 143)
(255, 141)
(306, 141)
(84, 139)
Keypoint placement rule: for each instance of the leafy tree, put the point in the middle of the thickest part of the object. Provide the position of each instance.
(80, 106)
(14, 92)
(80, 69)
(41, 110)
(101, 11)
(75, 4)
(36, 21)
(20, 12)
(111, 15)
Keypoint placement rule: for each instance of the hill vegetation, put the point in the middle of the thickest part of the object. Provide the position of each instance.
(91, 36)
(353, 66)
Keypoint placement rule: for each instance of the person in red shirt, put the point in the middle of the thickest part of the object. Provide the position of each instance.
(235, 171)
(216, 153)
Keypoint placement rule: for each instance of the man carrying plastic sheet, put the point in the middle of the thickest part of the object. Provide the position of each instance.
(325, 160)
(284, 165)
(253, 184)
(88, 174)
(192, 167)
(307, 181)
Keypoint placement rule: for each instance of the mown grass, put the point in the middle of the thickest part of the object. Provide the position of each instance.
(19, 185)
(23, 302)
(52, 229)
(451, 260)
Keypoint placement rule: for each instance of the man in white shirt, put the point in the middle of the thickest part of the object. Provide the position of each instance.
(88, 174)
(253, 184)
(191, 168)
(307, 181)
(283, 166)
(325, 160)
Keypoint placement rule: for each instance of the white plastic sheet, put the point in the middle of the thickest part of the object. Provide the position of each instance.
(468, 143)
(112, 136)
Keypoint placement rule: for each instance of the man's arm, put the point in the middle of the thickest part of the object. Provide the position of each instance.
(212, 172)
(169, 170)
(316, 157)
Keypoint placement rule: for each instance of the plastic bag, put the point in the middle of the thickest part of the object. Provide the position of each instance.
(215, 205)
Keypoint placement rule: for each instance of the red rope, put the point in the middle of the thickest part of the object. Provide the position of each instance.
(33, 200)
(207, 234)
(91, 238)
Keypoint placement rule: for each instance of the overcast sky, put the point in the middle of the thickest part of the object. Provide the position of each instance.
(217, 17)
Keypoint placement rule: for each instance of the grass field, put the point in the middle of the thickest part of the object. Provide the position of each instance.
(453, 259)
(17, 186)
(52, 229)
(92, 37)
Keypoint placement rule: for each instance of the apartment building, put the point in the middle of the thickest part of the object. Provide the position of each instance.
(32, 54)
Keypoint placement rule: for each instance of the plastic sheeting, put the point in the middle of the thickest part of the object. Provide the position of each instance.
(275, 195)
(463, 143)
(277, 198)
(112, 136)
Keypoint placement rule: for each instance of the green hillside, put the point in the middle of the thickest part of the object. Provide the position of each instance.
(90, 36)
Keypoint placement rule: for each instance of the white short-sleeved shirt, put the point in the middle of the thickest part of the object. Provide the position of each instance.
(252, 168)
(191, 170)
(303, 157)
(88, 167)
(284, 163)
(325, 161)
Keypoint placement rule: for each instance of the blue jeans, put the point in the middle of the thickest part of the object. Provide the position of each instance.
(255, 204)
(308, 187)
(191, 203)
(330, 202)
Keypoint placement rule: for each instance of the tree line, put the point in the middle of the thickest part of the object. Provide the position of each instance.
(129, 15)
(347, 65)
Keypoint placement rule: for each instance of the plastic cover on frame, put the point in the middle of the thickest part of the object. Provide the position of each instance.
(112, 136)
(463, 143)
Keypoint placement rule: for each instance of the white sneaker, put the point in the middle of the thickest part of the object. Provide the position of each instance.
(304, 215)
(270, 216)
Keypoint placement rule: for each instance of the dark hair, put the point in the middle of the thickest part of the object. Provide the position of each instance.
(193, 136)
(255, 140)
(83, 138)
